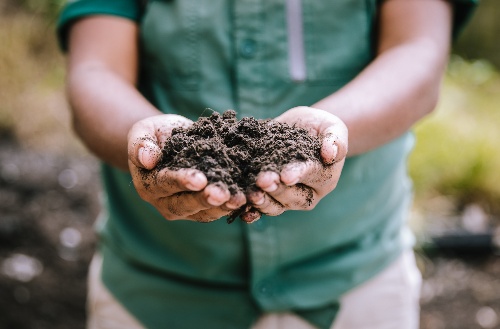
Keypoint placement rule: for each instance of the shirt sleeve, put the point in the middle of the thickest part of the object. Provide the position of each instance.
(462, 12)
(75, 9)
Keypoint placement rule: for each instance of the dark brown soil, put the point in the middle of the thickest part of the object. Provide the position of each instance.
(233, 152)
(47, 207)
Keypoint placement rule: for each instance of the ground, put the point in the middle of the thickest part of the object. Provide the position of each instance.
(48, 204)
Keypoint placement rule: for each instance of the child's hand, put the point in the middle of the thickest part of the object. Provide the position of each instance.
(176, 194)
(301, 185)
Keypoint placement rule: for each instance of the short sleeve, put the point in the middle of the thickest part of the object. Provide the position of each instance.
(462, 12)
(75, 9)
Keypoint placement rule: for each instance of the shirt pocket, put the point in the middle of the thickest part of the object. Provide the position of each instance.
(170, 46)
(338, 39)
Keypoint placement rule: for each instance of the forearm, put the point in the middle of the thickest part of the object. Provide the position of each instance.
(402, 84)
(102, 74)
(104, 108)
(387, 98)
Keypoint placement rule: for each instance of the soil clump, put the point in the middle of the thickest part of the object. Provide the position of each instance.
(233, 152)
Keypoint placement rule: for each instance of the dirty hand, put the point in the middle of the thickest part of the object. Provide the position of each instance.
(176, 194)
(301, 185)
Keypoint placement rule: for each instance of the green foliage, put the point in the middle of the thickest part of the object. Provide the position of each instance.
(457, 147)
(480, 37)
(47, 8)
(32, 104)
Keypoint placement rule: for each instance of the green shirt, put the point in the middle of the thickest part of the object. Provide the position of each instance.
(259, 57)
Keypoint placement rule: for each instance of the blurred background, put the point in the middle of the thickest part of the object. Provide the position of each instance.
(49, 187)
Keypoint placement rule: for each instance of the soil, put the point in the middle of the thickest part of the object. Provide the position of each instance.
(47, 208)
(233, 152)
(44, 196)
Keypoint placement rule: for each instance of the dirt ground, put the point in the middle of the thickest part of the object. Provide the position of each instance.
(48, 204)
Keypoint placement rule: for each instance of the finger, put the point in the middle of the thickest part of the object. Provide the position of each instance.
(334, 141)
(215, 194)
(186, 204)
(236, 201)
(143, 148)
(169, 182)
(209, 215)
(144, 153)
(163, 130)
(256, 198)
(297, 197)
(329, 149)
(148, 136)
(313, 174)
(268, 181)
(202, 216)
(269, 206)
(294, 172)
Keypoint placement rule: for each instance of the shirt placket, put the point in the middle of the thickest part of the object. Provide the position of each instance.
(250, 47)
(264, 257)
(249, 50)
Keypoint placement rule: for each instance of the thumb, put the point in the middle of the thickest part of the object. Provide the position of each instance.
(143, 151)
(333, 148)
(148, 155)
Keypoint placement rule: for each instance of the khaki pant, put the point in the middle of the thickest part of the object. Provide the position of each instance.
(388, 301)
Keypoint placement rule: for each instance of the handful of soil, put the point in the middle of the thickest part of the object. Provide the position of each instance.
(233, 152)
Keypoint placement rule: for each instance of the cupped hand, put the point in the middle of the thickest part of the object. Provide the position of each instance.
(301, 185)
(176, 194)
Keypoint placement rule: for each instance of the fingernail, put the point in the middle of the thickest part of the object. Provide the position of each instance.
(214, 202)
(141, 156)
(292, 175)
(196, 181)
(192, 187)
(335, 151)
(198, 178)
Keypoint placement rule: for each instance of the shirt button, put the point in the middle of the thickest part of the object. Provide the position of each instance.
(248, 48)
(265, 289)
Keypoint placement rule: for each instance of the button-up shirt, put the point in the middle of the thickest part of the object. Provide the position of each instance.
(260, 58)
